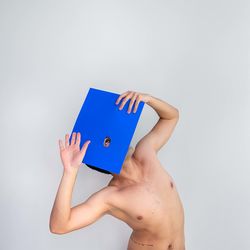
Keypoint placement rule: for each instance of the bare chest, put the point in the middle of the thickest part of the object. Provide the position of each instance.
(145, 205)
(144, 208)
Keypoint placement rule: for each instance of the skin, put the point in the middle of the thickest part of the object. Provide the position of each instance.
(143, 195)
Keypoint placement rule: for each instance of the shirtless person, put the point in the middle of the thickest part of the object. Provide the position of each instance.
(143, 195)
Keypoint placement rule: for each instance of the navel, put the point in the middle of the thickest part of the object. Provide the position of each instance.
(170, 247)
(139, 217)
(171, 184)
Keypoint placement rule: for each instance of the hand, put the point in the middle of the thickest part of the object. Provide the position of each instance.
(134, 97)
(71, 155)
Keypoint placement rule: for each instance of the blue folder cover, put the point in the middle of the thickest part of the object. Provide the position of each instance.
(109, 129)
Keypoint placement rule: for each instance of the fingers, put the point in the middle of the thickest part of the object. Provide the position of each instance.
(85, 146)
(138, 99)
(73, 138)
(78, 138)
(61, 146)
(121, 96)
(125, 99)
(66, 140)
(132, 102)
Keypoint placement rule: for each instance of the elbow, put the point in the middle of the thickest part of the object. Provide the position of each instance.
(176, 114)
(56, 229)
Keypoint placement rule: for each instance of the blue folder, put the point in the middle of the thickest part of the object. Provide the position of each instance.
(109, 129)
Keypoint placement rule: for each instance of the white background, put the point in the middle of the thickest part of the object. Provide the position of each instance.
(192, 54)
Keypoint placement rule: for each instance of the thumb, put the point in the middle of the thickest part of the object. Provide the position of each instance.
(85, 146)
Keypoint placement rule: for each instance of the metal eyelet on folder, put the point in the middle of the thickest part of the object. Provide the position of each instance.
(107, 141)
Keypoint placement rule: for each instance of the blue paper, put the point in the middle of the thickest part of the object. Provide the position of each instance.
(100, 120)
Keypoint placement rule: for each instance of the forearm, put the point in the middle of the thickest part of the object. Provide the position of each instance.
(62, 206)
(163, 109)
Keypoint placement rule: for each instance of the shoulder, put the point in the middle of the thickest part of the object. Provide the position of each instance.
(105, 192)
(144, 153)
(109, 194)
(116, 195)
(101, 197)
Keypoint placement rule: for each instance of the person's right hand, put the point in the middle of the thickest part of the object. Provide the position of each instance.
(71, 154)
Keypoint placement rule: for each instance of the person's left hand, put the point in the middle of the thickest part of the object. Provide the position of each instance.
(134, 97)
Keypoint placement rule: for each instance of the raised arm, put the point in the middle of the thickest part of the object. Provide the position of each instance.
(161, 132)
(63, 218)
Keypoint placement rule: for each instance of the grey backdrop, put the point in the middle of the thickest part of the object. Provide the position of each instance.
(193, 54)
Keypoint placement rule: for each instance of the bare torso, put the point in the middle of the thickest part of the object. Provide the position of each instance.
(153, 209)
